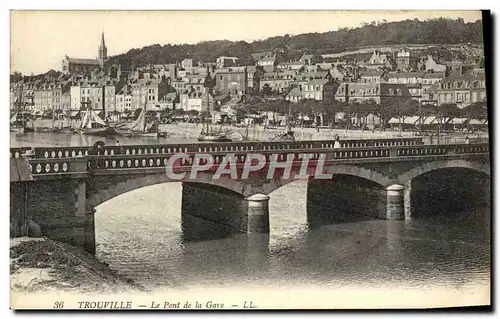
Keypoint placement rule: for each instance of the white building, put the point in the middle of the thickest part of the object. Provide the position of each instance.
(76, 97)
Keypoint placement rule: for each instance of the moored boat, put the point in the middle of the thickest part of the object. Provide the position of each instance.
(140, 128)
(92, 124)
(208, 134)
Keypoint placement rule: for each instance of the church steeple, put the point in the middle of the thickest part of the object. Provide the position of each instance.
(103, 51)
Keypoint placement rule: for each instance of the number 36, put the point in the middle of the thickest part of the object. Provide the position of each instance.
(59, 304)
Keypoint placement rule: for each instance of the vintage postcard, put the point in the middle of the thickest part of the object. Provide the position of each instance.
(202, 160)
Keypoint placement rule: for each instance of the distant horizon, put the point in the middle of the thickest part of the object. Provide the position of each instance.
(27, 58)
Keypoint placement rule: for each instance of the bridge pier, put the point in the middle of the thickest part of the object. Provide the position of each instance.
(395, 202)
(210, 212)
(407, 201)
(258, 214)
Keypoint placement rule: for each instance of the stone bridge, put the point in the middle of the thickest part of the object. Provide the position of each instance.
(59, 188)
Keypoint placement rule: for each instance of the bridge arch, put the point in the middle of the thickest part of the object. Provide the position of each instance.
(135, 182)
(435, 165)
(361, 172)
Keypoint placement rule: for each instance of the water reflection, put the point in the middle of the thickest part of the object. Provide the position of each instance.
(36, 139)
(140, 235)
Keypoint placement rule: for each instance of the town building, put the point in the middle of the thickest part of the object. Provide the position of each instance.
(344, 74)
(231, 80)
(261, 55)
(111, 87)
(405, 77)
(253, 79)
(276, 82)
(290, 66)
(80, 65)
(316, 89)
(371, 75)
(267, 62)
(169, 101)
(413, 81)
(193, 83)
(187, 64)
(123, 99)
(379, 61)
(226, 61)
(379, 93)
(196, 101)
(148, 92)
(429, 85)
(307, 59)
(432, 66)
(462, 89)
(406, 61)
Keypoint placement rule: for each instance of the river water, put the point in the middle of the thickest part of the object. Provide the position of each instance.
(139, 234)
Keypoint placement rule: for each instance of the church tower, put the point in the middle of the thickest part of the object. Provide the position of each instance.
(103, 52)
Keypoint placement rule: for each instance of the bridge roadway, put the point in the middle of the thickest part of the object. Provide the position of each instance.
(58, 188)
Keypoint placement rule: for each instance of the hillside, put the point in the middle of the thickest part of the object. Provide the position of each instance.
(445, 31)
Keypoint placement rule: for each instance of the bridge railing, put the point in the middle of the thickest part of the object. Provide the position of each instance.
(66, 152)
(448, 149)
(44, 166)
(136, 161)
(16, 152)
(84, 164)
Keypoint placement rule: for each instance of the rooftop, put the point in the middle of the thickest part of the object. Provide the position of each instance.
(83, 61)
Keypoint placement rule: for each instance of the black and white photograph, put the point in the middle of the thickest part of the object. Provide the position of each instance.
(249, 160)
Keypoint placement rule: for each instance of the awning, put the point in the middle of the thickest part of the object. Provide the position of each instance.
(429, 120)
(410, 120)
(476, 122)
(435, 120)
(393, 121)
(458, 120)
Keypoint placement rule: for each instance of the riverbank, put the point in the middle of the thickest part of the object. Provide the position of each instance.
(191, 131)
(188, 133)
(42, 265)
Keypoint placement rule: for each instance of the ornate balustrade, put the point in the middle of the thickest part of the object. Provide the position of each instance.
(16, 152)
(146, 158)
(449, 149)
(44, 166)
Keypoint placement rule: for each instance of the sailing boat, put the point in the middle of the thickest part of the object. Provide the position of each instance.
(139, 127)
(208, 134)
(14, 124)
(18, 122)
(92, 124)
(287, 134)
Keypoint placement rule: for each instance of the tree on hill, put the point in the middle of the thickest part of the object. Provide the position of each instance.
(441, 30)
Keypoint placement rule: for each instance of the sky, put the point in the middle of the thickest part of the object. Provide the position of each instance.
(41, 39)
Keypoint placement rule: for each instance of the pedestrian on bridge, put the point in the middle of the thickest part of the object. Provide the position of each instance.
(336, 144)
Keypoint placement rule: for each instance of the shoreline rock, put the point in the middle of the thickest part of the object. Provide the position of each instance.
(43, 265)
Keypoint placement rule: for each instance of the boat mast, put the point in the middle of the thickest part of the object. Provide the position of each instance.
(208, 88)
(144, 116)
